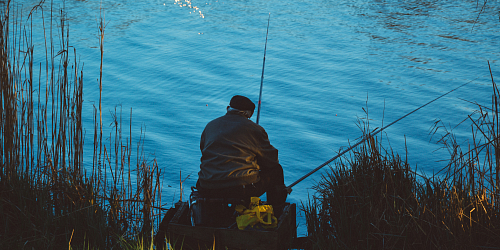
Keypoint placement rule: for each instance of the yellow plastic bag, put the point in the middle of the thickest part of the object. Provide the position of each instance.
(256, 216)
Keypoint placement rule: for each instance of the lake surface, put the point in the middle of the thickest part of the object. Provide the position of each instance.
(177, 63)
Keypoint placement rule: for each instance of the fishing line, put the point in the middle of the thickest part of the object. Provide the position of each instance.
(263, 65)
(376, 131)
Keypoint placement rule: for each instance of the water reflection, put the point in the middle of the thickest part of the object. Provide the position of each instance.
(188, 4)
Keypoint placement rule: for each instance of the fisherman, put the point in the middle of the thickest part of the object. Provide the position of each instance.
(238, 161)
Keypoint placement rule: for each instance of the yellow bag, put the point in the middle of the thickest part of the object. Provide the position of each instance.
(256, 217)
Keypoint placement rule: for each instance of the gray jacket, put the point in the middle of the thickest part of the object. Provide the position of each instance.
(234, 149)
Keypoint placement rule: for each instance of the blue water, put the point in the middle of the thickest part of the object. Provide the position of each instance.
(177, 67)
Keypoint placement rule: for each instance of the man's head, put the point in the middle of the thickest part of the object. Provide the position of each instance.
(243, 104)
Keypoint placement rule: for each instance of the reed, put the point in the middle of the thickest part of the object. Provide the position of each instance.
(48, 199)
(372, 199)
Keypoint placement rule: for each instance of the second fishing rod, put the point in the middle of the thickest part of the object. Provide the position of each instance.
(368, 136)
(262, 76)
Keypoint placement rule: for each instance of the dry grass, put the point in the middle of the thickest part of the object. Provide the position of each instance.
(47, 198)
(372, 199)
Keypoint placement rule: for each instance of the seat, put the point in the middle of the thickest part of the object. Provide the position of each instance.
(211, 211)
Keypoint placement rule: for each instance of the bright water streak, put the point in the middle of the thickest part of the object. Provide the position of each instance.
(178, 65)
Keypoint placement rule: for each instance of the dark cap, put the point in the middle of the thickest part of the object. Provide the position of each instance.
(241, 103)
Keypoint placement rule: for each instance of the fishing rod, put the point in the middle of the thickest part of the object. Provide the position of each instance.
(370, 135)
(262, 77)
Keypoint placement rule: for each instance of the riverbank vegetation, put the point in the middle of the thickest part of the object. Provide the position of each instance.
(370, 199)
(373, 199)
(48, 198)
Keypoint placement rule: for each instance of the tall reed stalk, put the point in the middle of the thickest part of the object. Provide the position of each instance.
(48, 199)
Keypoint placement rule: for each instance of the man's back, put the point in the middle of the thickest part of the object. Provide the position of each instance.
(229, 146)
(238, 161)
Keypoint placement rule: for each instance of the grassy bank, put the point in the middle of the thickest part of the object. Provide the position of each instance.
(48, 199)
(373, 199)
